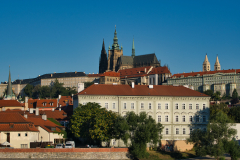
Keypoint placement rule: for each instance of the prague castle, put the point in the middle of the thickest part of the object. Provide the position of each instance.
(115, 60)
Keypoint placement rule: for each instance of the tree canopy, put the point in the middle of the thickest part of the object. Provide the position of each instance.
(235, 98)
(216, 138)
(52, 91)
(92, 122)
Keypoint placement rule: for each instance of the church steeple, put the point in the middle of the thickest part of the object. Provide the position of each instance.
(115, 41)
(133, 49)
(206, 64)
(217, 65)
(9, 87)
(103, 62)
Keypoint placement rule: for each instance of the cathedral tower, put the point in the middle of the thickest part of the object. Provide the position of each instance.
(9, 94)
(206, 64)
(114, 53)
(217, 65)
(103, 61)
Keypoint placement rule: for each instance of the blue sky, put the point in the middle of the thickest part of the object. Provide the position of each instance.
(42, 36)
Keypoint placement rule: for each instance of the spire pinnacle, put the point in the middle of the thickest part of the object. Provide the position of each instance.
(115, 40)
(133, 49)
(9, 87)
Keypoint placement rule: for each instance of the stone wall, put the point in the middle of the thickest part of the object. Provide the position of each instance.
(74, 153)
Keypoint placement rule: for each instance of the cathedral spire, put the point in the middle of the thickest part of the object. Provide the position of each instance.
(217, 65)
(115, 40)
(103, 63)
(9, 87)
(133, 49)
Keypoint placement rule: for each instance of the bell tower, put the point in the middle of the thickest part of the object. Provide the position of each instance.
(217, 65)
(206, 64)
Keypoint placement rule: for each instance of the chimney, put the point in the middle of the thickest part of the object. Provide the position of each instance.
(31, 110)
(53, 109)
(25, 115)
(60, 109)
(37, 111)
(145, 70)
(44, 117)
(3, 108)
(133, 84)
(51, 75)
(59, 96)
(150, 86)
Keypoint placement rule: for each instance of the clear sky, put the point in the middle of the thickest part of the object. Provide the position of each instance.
(46, 36)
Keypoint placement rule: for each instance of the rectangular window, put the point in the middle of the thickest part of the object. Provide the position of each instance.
(113, 106)
(142, 105)
(166, 118)
(19, 134)
(124, 105)
(190, 106)
(24, 146)
(204, 118)
(183, 118)
(177, 130)
(184, 131)
(132, 105)
(197, 106)
(176, 106)
(166, 105)
(159, 118)
(204, 106)
(159, 105)
(106, 105)
(166, 130)
(197, 118)
(190, 118)
(183, 106)
(26, 135)
(176, 118)
(191, 130)
(150, 106)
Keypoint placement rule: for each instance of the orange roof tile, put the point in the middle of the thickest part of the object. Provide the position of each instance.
(12, 117)
(134, 72)
(205, 72)
(32, 103)
(64, 100)
(140, 90)
(56, 114)
(111, 74)
(159, 70)
(47, 101)
(94, 75)
(10, 103)
(18, 127)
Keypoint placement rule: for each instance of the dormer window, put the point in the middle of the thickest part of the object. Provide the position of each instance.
(51, 103)
(44, 103)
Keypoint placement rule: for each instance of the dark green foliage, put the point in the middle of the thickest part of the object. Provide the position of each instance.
(28, 90)
(235, 98)
(92, 122)
(208, 92)
(214, 109)
(54, 121)
(234, 113)
(87, 84)
(50, 91)
(216, 96)
(212, 141)
(140, 130)
(232, 147)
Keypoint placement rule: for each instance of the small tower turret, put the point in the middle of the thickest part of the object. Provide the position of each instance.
(133, 49)
(217, 65)
(206, 64)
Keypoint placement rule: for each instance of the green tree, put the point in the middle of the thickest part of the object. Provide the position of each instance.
(44, 91)
(217, 136)
(234, 113)
(92, 122)
(216, 96)
(235, 98)
(28, 90)
(208, 92)
(142, 129)
(87, 84)
(214, 109)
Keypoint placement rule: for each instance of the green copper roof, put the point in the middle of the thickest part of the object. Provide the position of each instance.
(115, 41)
(9, 87)
(133, 49)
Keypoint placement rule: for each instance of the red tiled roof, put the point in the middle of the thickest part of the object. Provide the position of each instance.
(47, 101)
(18, 127)
(94, 75)
(56, 114)
(159, 70)
(65, 100)
(205, 72)
(32, 103)
(12, 117)
(111, 74)
(38, 121)
(10, 103)
(140, 90)
(134, 72)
